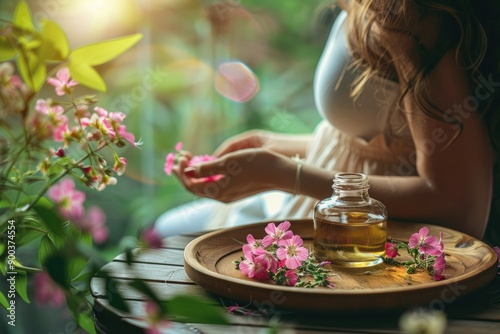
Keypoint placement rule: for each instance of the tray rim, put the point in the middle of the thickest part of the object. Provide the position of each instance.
(198, 272)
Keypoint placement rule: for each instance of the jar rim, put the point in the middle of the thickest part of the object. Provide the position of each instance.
(350, 177)
(350, 181)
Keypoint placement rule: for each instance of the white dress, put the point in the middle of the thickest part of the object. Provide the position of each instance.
(365, 135)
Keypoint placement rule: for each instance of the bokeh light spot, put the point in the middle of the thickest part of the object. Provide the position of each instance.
(236, 81)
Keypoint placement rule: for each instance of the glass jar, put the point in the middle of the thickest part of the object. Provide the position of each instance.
(350, 228)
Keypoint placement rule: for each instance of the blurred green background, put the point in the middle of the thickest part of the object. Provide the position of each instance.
(165, 85)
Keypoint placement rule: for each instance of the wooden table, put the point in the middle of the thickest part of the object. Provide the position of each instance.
(163, 270)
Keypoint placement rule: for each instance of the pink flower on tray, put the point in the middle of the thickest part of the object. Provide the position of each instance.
(268, 259)
(275, 234)
(427, 244)
(254, 267)
(252, 244)
(391, 249)
(291, 278)
(438, 267)
(62, 82)
(292, 252)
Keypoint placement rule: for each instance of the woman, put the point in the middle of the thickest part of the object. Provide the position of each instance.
(409, 95)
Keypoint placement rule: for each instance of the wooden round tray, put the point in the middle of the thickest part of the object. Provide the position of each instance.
(471, 264)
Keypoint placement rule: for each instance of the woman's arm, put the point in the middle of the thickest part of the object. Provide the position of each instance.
(286, 144)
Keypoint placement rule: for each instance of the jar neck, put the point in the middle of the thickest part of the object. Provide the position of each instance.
(351, 185)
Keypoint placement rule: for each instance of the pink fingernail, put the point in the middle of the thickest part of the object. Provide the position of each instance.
(189, 171)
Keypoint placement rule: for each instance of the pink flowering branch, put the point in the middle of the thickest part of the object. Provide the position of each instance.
(426, 251)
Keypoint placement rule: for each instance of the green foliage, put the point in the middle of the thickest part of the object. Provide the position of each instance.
(186, 308)
(35, 48)
(82, 312)
(22, 285)
(3, 301)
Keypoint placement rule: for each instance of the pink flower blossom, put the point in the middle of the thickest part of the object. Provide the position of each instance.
(438, 267)
(291, 278)
(156, 322)
(178, 146)
(45, 107)
(117, 116)
(68, 199)
(427, 245)
(94, 223)
(292, 252)
(252, 244)
(275, 234)
(62, 82)
(151, 239)
(128, 136)
(254, 267)
(47, 291)
(205, 158)
(169, 163)
(61, 133)
(391, 249)
(270, 262)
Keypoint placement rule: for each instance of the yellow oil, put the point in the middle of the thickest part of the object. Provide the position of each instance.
(354, 239)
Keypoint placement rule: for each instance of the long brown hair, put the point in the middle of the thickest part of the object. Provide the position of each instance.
(471, 28)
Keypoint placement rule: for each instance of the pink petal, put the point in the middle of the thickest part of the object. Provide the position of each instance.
(100, 235)
(293, 262)
(63, 74)
(101, 111)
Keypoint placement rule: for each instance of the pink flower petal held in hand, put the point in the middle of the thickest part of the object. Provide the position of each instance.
(169, 163)
(205, 158)
(237, 82)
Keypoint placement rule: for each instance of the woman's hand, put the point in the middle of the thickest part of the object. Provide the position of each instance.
(286, 144)
(243, 172)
